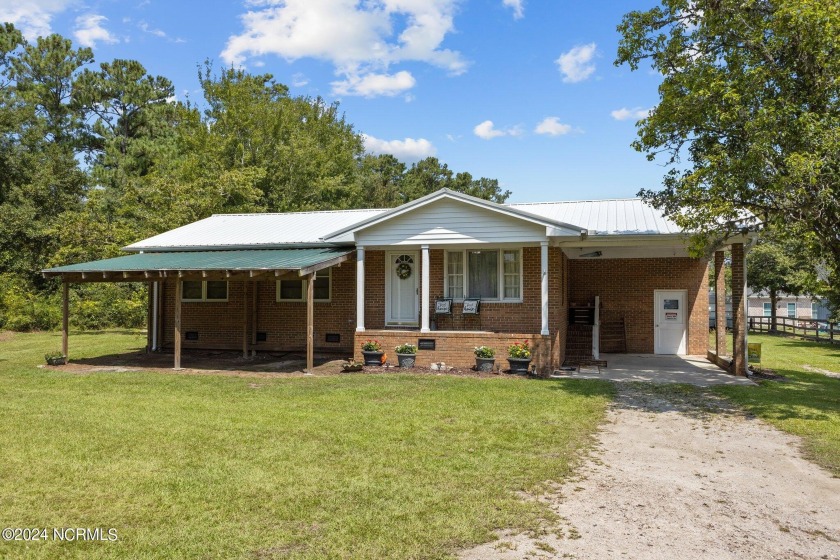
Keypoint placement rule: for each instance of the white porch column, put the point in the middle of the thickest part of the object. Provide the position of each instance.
(424, 291)
(544, 287)
(360, 289)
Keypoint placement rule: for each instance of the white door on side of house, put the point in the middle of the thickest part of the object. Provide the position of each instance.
(669, 334)
(401, 289)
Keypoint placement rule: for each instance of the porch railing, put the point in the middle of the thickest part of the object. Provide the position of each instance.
(813, 329)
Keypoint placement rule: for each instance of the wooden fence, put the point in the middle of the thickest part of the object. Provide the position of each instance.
(812, 329)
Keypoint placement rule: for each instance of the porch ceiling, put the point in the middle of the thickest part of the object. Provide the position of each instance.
(202, 264)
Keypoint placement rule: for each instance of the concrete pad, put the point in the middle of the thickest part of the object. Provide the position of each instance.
(694, 370)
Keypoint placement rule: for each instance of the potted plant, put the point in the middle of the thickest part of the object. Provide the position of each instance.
(484, 358)
(55, 358)
(519, 357)
(406, 354)
(372, 352)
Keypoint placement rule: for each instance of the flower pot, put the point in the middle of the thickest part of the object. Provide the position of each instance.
(373, 357)
(484, 364)
(519, 365)
(406, 360)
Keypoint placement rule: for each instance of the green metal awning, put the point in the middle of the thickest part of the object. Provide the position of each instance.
(304, 261)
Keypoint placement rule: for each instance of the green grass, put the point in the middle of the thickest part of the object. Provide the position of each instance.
(808, 405)
(355, 466)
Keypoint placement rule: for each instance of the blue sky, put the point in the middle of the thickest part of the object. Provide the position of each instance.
(523, 91)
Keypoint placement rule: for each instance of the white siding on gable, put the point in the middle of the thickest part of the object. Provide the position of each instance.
(450, 222)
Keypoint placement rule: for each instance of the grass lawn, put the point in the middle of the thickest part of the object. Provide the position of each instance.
(808, 405)
(353, 466)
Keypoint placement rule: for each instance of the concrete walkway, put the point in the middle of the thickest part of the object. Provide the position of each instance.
(694, 370)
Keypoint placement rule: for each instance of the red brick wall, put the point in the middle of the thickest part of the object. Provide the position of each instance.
(626, 287)
(521, 317)
(219, 325)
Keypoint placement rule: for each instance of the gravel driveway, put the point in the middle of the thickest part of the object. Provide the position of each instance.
(680, 474)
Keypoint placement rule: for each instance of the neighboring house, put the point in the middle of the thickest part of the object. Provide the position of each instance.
(795, 307)
(241, 281)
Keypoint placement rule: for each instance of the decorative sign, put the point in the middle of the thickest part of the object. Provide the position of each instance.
(443, 306)
(470, 307)
(754, 352)
(671, 316)
(672, 304)
(426, 343)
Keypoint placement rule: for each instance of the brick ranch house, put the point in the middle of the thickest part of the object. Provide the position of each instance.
(573, 278)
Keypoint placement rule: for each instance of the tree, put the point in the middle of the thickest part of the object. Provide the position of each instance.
(770, 269)
(750, 97)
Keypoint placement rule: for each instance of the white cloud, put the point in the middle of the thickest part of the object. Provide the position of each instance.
(89, 30)
(371, 85)
(487, 131)
(518, 7)
(146, 28)
(552, 127)
(635, 113)
(576, 65)
(299, 80)
(32, 17)
(409, 149)
(358, 38)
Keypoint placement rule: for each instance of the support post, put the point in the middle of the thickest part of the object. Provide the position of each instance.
(310, 323)
(65, 320)
(244, 318)
(254, 319)
(149, 315)
(544, 287)
(178, 291)
(424, 290)
(360, 289)
(155, 303)
(739, 324)
(720, 304)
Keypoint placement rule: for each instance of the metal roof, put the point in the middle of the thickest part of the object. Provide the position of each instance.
(240, 231)
(629, 216)
(269, 259)
(301, 229)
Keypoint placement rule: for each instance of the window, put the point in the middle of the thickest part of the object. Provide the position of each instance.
(204, 290)
(294, 289)
(455, 275)
(791, 310)
(815, 310)
(486, 274)
(768, 309)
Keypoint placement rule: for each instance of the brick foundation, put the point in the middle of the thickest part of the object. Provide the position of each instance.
(455, 348)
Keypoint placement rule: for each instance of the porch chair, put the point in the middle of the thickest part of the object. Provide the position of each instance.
(443, 306)
(471, 307)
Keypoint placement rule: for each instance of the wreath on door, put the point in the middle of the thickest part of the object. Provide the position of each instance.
(403, 270)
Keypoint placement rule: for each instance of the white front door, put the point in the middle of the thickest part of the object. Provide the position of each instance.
(669, 335)
(401, 292)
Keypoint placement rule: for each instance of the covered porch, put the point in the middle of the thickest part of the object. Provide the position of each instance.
(202, 268)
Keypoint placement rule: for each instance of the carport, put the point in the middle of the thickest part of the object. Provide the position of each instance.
(231, 265)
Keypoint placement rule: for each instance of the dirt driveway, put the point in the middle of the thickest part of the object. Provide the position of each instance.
(680, 475)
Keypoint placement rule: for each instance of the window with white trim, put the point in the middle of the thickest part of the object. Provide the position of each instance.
(768, 309)
(486, 274)
(204, 290)
(294, 289)
(791, 309)
(815, 310)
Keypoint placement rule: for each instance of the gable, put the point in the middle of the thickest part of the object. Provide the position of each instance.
(448, 221)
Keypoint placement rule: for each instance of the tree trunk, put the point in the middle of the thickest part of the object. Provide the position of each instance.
(774, 297)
